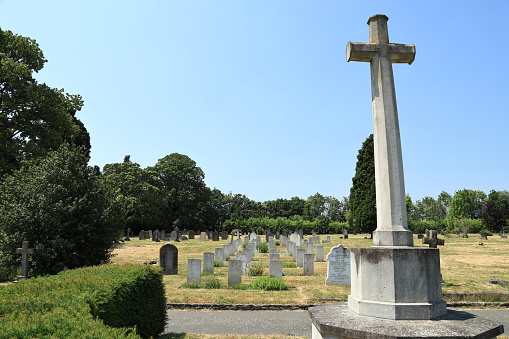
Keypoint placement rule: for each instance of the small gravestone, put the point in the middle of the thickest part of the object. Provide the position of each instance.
(274, 256)
(300, 257)
(219, 255)
(156, 236)
(194, 271)
(183, 238)
(234, 272)
(142, 235)
(319, 253)
(173, 235)
(309, 264)
(252, 236)
(149, 235)
(190, 234)
(215, 236)
(25, 251)
(338, 266)
(420, 236)
(345, 234)
(327, 240)
(431, 239)
(203, 236)
(309, 247)
(162, 236)
(127, 232)
(502, 235)
(208, 262)
(168, 259)
(224, 235)
(276, 269)
(484, 236)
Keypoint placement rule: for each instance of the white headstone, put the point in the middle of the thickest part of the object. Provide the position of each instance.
(234, 272)
(309, 264)
(276, 269)
(338, 266)
(194, 271)
(208, 262)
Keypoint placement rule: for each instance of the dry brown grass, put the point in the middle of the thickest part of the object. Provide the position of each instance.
(466, 268)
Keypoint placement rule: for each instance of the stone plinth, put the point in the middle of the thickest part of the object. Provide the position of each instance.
(338, 321)
(396, 282)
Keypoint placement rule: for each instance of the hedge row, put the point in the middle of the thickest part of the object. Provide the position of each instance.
(94, 302)
(320, 225)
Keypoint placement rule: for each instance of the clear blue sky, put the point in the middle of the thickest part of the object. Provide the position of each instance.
(260, 95)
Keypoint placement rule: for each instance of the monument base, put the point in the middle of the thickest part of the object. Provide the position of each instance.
(338, 321)
(401, 283)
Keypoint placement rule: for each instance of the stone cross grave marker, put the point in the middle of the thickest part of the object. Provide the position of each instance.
(127, 233)
(431, 239)
(338, 266)
(392, 228)
(25, 251)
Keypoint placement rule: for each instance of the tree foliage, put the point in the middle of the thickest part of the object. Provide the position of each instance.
(136, 193)
(57, 204)
(467, 204)
(34, 118)
(495, 213)
(362, 201)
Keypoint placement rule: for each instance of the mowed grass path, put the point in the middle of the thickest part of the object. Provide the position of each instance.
(466, 268)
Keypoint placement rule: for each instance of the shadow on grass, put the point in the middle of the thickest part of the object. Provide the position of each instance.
(173, 336)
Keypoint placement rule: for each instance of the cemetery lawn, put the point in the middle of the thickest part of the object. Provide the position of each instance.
(466, 268)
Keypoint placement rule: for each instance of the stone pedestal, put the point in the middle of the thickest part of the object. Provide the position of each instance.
(396, 282)
(338, 321)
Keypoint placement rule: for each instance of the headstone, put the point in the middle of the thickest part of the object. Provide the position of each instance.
(127, 233)
(309, 264)
(484, 236)
(300, 257)
(183, 238)
(432, 239)
(25, 251)
(295, 237)
(173, 235)
(203, 236)
(252, 236)
(156, 236)
(215, 236)
(208, 262)
(149, 235)
(276, 269)
(309, 247)
(234, 272)
(190, 234)
(274, 256)
(420, 236)
(319, 253)
(168, 259)
(219, 255)
(345, 234)
(328, 239)
(163, 236)
(142, 235)
(338, 266)
(194, 271)
(226, 251)
(243, 258)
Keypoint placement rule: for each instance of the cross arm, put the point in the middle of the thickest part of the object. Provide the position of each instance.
(401, 53)
(363, 51)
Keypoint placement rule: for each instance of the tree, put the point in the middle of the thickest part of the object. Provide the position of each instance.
(467, 204)
(57, 204)
(314, 207)
(363, 192)
(34, 118)
(495, 213)
(185, 191)
(137, 193)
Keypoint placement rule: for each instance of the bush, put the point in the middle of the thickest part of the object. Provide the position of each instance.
(256, 268)
(289, 264)
(85, 303)
(269, 284)
(211, 283)
(218, 263)
(263, 247)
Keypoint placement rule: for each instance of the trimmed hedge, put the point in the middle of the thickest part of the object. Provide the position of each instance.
(94, 302)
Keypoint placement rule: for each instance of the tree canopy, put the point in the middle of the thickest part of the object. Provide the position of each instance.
(34, 118)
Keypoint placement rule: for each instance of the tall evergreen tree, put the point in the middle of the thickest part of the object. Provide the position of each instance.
(362, 200)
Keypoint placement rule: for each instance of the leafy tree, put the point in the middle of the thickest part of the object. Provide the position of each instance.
(467, 204)
(137, 193)
(336, 209)
(284, 208)
(363, 192)
(185, 191)
(34, 118)
(57, 204)
(314, 207)
(240, 207)
(495, 214)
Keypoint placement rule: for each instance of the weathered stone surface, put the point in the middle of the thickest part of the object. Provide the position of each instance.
(338, 321)
(208, 262)
(234, 272)
(396, 282)
(338, 266)
(168, 259)
(194, 271)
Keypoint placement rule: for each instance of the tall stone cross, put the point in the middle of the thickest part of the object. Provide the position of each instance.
(24, 251)
(392, 228)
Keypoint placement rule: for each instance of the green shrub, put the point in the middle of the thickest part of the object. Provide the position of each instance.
(269, 284)
(192, 285)
(217, 263)
(95, 302)
(240, 287)
(277, 243)
(211, 283)
(256, 268)
(263, 247)
(289, 264)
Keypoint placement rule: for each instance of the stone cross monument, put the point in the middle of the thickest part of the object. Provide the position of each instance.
(25, 251)
(395, 287)
(392, 229)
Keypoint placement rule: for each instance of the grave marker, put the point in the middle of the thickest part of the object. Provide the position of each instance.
(194, 271)
(25, 251)
(168, 259)
(234, 272)
(338, 266)
(208, 262)
(432, 239)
